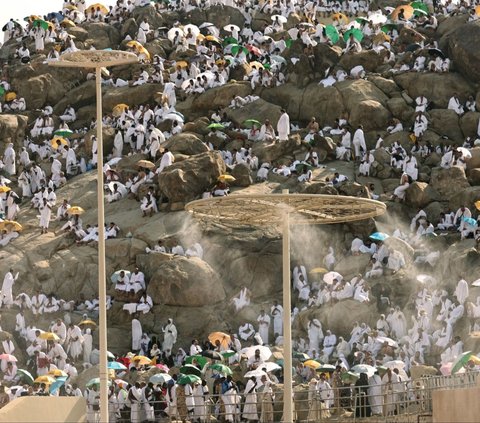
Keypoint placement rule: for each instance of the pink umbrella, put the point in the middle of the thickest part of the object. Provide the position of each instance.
(162, 367)
(446, 369)
(8, 357)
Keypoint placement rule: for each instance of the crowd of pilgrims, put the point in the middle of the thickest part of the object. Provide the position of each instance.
(422, 333)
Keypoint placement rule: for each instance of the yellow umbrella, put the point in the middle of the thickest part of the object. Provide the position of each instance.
(212, 38)
(10, 96)
(407, 11)
(57, 141)
(10, 225)
(200, 37)
(119, 109)
(144, 51)
(319, 270)
(258, 65)
(182, 64)
(142, 360)
(339, 17)
(70, 7)
(67, 23)
(4, 188)
(477, 204)
(146, 164)
(49, 336)
(96, 6)
(75, 210)
(57, 373)
(312, 364)
(32, 18)
(45, 379)
(134, 44)
(87, 322)
(226, 178)
(221, 337)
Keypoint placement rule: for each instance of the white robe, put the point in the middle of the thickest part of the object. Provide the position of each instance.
(136, 334)
(7, 293)
(283, 127)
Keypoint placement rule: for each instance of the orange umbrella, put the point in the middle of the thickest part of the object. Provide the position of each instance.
(221, 337)
(477, 10)
(407, 12)
(340, 17)
(96, 6)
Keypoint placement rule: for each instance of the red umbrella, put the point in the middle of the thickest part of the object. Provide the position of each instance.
(8, 357)
(255, 50)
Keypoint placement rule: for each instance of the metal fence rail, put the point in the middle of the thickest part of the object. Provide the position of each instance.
(405, 401)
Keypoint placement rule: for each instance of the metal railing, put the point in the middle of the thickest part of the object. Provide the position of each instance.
(405, 401)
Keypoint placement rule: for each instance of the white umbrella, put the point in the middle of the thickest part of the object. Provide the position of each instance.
(476, 283)
(193, 29)
(265, 352)
(330, 276)
(172, 33)
(293, 32)
(269, 366)
(279, 18)
(425, 278)
(254, 373)
(465, 153)
(206, 25)
(264, 39)
(231, 28)
(173, 116)
(389, 341)
(377, 18)
(208, 74)
(364, 368)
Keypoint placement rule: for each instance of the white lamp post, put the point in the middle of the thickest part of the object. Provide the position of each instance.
(99, 59)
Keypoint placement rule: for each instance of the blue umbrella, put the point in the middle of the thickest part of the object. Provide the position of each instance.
(160, 378)
(115, 365)
(60, 381)
(55, 15)
(379, 236)
(470, 221)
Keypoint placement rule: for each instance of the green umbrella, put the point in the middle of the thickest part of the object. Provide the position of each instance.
(188, 379)
(419, 12)
(237, 48)
(300, 356)
(301, 166)
(215, 126)
(63, 133)
(221, 368)
(463, 360)
(326, 368)
(190, 369)
(388, 27)
(2, 90)
(229, 40)
(419, 6)
(362, 20)
(200, 360)
(26, 375)
(250, 122)
(349, 377)
(332, 33)
(357, 34)
(228, 353)
(289, 43)
(95, 382)
(41, 23)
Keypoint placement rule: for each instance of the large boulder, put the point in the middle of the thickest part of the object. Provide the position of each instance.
(186, 143)
(133, 96)
(446, 122)
(243, 176)
(102, 35)
(462, 49)
(78, 97)
(420, 194)
(448, 182)
(41, 90)
(260, 109)
(219, 97)
(350, 266)
(469, 124)
(187, 180)
(467, 197)
(437, 87)
(474, 161)
(185, 282)
(12, 128)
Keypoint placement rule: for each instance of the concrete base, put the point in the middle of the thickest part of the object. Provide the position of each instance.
(45, 409)
(456, 405)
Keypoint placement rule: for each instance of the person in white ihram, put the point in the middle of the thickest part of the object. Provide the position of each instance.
(283, 126)
(7, 294)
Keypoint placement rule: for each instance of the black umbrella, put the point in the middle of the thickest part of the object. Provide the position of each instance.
(436, 52)
(214, 355)
(413, 47)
